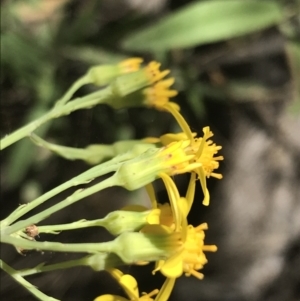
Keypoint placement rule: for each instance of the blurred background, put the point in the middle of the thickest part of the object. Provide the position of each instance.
(237, 69)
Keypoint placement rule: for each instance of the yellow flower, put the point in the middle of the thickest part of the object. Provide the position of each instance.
(205, 151)
(184, 244)
(153, 73)
(188, 253)
(144, 169)
(127, 89)
(129, 284)
(158, 95)
(104, 74)
(177, 248)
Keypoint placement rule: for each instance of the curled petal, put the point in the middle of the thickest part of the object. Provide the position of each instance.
(165, 291)
(172, 268)
(110, 298)
(130, 286)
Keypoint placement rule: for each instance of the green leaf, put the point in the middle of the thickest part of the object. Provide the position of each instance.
(206, 22)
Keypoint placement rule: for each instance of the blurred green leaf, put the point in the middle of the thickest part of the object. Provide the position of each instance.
(245, 91)
(21, 56)
(24, 152)
(205, 22)
(92, 55)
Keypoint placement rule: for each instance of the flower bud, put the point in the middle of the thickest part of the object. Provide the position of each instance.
(121, 221)
(104, 74)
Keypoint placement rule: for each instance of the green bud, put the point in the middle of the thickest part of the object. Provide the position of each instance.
(147, 167)
(103, 74)
(129, 83)
(135, 246)
(121, 221)
(140, 171)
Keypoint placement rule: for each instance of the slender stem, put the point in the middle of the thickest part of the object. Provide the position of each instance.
(26, 244)
(78, 195)
(72, 226)
(83, 178)
(98, 262)
(24, 131)
(80, 103)
(76, 86)
(31, 288)
(86, 102)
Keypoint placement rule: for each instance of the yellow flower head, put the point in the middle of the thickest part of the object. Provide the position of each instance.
(174, 159)
(104, 74)
(153, 73)
(184, 245)
(130, 65)
(158, 95)
(205, 151)
(130, 88)
(144, 169)
(176, 251)
(188, 253)
(129, 285)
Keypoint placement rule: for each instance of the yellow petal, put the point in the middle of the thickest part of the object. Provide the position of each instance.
(173, 195)
(206, 198)
(130, 286)
(110, 298)
(179, 118)
(117, 274)
(165, 291)
(183, 206)
(201, 174)
(154, 217)
(190, 194)
(158, 266)
(173, 266)
(151, 192)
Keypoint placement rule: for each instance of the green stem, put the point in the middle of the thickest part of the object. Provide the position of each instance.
(84, 80)
(78, 195)
(80, 103)
(24, 131)
(98, 262)
(86, 102)
(26, 244)
(71, 226)
(31, 288)
(83, 178)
